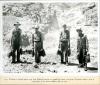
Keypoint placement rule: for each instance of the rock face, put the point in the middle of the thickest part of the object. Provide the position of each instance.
(51, 29)
(91, 16)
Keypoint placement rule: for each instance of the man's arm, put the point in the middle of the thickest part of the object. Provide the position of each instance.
(11, 41)
(78, 45)
(69, 38)
(87, 44)
(21, 38)
(60, 41)
(41, 35)
(33, 41)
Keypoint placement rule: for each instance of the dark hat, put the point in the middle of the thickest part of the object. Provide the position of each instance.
(36, 28)
(79, 30)
(17, 23)
(64, 25)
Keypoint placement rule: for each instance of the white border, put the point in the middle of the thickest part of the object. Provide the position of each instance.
(49, 1)
(47, 74)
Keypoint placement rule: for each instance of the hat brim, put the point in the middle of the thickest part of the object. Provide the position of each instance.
(78, 30)
(64, 25)
(17, 24)
(35, 27)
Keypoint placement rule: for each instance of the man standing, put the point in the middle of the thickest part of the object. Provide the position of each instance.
(37, 41)
(82, 49)
(16, 42)
(64, 44)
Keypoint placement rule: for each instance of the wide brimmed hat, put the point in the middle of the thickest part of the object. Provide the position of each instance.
(17, 24)
(64, 25)
(79, 30)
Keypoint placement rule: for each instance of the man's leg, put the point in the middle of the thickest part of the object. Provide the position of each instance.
(80, 58)
(85, 60)
(66, 57)
(85, 66)
(13, 55)
(32, 52)
(38, 58)
(62, 58)
(18, 55)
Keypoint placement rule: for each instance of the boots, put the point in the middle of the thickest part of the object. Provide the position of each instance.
(85, 67)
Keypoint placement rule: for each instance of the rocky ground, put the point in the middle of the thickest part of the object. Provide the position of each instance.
(49, 64)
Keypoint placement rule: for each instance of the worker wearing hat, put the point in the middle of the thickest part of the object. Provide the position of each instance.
(16, 43)
(82, 49)
(37, 41)
(64, 44)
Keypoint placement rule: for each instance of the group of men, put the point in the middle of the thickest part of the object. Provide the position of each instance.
(64, 45)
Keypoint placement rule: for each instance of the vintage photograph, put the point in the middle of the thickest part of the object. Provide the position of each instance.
(50, 37)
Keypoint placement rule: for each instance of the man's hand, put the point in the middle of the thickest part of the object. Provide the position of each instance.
(21, 46)
(33, 48)
(87, 50)
(10, 47)
(59, 49)
(77, 52)
(68, 48)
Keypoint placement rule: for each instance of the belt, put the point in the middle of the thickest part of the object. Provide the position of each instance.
(36, 41)
(63, 41)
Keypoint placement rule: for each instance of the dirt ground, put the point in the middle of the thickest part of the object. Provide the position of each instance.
(49, 64)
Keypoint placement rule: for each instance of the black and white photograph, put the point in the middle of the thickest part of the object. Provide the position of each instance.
(56, 37)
